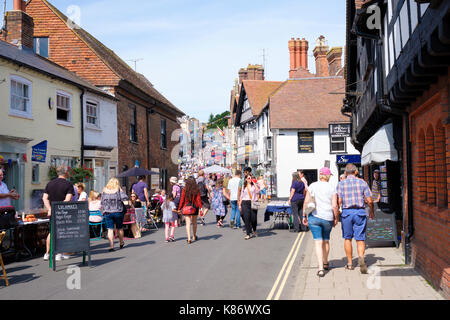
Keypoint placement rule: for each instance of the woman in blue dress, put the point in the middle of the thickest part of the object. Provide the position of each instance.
(219, 194)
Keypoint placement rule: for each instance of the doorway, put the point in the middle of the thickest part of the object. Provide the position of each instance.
(310, 175)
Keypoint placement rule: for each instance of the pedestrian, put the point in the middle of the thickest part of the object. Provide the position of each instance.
(219, 194)
(249, 195)
(82, 195)
(376, 186)
(57, 190)
(176, 194)
(262, 187)
(113, 210)
(296, 199)
(353, 193)
(141, 189)
(5, 194)
(190, 205)
(204, 195)
(301, 174)
(325, 216)
(234, 188)
(170, 217)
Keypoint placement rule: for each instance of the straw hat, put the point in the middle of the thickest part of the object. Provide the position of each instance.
(173, 180)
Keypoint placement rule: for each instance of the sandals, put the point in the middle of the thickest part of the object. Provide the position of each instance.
(349, 267)
(194, 238)
(321, 273)
(122, 245)
(326, 266)
(111, 250)
(189, 241)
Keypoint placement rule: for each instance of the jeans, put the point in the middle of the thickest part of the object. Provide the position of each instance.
(297, 211)
(235, 213)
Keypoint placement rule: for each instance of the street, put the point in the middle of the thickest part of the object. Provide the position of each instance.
(220, 265)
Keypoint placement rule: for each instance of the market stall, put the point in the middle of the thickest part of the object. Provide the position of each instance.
(281, 212)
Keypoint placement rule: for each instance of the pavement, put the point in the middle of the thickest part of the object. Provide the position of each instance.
(388, 277)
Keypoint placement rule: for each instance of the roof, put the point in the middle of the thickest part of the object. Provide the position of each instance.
(258, 92)
(115, 63)
(307, 103)
(27, 58)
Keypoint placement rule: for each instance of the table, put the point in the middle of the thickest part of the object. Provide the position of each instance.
(21, 232)
(280, 210)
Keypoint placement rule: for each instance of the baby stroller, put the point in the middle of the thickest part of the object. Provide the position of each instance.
(155, 210)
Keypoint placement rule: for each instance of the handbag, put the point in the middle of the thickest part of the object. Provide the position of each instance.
(189, 209)
(310, 205)
(255, 204)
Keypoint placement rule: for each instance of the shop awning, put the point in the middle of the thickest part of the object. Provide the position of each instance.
(380, 147)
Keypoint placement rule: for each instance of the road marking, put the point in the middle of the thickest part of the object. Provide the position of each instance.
(269, 297)
(288, 271)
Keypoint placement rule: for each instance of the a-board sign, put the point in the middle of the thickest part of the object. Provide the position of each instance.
(70, 228)
(382, 231)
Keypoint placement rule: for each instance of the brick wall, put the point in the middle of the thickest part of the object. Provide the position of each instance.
(19, 29)
(430, 136)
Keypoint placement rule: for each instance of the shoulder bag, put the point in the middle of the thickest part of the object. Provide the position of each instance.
(310, 205)
(189, 209)
(255, 204)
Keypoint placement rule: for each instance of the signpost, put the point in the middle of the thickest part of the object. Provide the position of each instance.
(69, 230)
(382, 231)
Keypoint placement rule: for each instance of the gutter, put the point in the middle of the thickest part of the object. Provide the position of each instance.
(82, 125)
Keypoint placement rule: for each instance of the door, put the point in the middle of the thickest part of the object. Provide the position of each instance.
(311, 176)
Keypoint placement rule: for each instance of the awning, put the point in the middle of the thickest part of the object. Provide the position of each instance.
(380, 147)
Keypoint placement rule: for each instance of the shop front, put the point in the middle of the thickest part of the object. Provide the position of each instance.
(103, 164)
(343, 160)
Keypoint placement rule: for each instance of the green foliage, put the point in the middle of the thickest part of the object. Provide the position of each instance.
(76, 175)
(219, 120)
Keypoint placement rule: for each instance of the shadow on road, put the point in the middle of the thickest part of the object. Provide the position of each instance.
(16, 279)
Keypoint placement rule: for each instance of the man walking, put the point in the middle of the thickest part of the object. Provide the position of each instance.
(57, 190)
(353, 194)
(141, 189)
(234, 187)
(204, 195)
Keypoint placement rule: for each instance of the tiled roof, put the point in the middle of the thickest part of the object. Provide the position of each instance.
(115, 63)
(307, 103)
(258, 92)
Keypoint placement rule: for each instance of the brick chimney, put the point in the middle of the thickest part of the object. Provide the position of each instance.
(334, 58)
(19, 26)
(320, 53)
(298, 51)
(252, 72)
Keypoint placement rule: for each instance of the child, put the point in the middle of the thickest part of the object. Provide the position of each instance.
(170, 217)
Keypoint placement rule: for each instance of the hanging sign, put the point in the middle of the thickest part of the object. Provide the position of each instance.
(338, 130)
(39, 152)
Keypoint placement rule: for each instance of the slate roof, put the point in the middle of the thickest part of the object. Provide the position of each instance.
(27, 58)
(115, 63)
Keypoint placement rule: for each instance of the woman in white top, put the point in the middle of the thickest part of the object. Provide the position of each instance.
(82, 195)
(249, 194)
(323, 218)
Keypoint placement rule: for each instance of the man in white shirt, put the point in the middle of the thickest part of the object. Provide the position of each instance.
(234, 187)
(5, 194)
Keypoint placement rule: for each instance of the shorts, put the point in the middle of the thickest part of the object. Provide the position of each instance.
(205, 202)
(263, 192)
(320, 228)
(354, 223)
(112, 219)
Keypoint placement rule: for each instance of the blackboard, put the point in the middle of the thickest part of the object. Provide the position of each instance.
(306, 142)
(382, 231)
(70, 227)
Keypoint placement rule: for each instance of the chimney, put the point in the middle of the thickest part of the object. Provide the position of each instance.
(19, 26)
(304, 54)
(253, 72)
(292, 52)
(334, 60)
(320, 53)
(298, 51)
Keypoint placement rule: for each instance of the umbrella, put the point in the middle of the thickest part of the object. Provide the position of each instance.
(217, 169)
(136, 172)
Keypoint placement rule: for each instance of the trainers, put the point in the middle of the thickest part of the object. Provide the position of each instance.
(46, 257)
(58, 257)
(172, 239)
(65, 257)
(231, 224)
(236, 227)
(167, 240)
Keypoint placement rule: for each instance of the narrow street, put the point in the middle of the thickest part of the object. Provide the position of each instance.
(220, 265)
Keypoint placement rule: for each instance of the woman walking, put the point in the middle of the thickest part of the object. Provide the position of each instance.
(190, 205)
(113, 208)
(296, 200)
(219, 195)
(323, 218)
(249, 194)
(170, 217)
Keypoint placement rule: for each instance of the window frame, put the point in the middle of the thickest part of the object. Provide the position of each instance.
(13, 112)
(163, 133)
(344, 151)
(97, 112)
(133, 124)
(65, 95)
(37, 44)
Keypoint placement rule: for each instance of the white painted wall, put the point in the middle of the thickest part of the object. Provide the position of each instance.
(289, 160)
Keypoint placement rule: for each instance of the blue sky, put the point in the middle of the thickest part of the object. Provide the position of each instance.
(192, 49)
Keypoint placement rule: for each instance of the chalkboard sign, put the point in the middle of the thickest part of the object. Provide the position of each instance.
(70, 228)
(382, 231)
(306, 142)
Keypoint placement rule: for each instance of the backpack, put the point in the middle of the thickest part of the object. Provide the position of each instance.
(203, 189)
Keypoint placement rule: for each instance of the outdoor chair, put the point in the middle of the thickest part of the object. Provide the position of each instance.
(2, 235)
(131, 221)
(96, 215)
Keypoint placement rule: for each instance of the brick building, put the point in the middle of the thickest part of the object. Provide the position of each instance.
(146, 119)
(399, 74)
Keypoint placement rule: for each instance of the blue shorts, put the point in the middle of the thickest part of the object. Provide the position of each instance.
(354, 223)
(112, 219)
(263, 192)
(320, 228)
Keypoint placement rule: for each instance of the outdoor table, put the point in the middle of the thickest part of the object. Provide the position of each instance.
(281, 211)
(21, 232)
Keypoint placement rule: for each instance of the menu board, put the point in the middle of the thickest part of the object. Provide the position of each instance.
(70, 227)
(382, 230)
(306, 142)
(384, 185)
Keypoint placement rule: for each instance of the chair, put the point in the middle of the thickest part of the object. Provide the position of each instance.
(132, 215)
(2, 235)
(96, 224)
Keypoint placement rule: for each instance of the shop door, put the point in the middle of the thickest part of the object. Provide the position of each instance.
(13, 181)
(311, 176)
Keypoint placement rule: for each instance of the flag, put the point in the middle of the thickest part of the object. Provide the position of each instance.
(222, 134)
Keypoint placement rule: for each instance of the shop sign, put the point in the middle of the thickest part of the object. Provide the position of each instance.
(338, 130)
(344, 159)
(39, 152)
(306, 142)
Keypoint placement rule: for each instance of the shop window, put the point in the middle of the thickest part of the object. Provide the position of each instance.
(92, 113)
(63, 107)
(441, 167)
(421, 168)
(20, 96)
(430, 166)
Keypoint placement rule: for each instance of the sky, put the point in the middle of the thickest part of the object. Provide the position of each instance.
(192, 50)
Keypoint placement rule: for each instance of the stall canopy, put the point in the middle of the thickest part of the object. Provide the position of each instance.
(217, 169)
(380, 147)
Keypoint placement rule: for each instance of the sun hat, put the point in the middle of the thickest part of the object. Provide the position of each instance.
(173, 180)
(325, 171)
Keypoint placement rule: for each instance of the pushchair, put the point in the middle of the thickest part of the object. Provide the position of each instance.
(155, 212)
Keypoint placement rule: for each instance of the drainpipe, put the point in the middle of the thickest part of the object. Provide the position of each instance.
(82, 125)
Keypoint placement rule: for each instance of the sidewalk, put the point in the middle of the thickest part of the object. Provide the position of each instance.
(388, 277)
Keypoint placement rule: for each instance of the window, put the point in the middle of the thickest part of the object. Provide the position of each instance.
(338, 145)
(246, 105)
(404, 24)
(92, 113)
(414, 14)
(63, 107)
(20, 99)
(397, 39)
(41, 46)
(35, 174)
(163, 134)
(133, 124)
